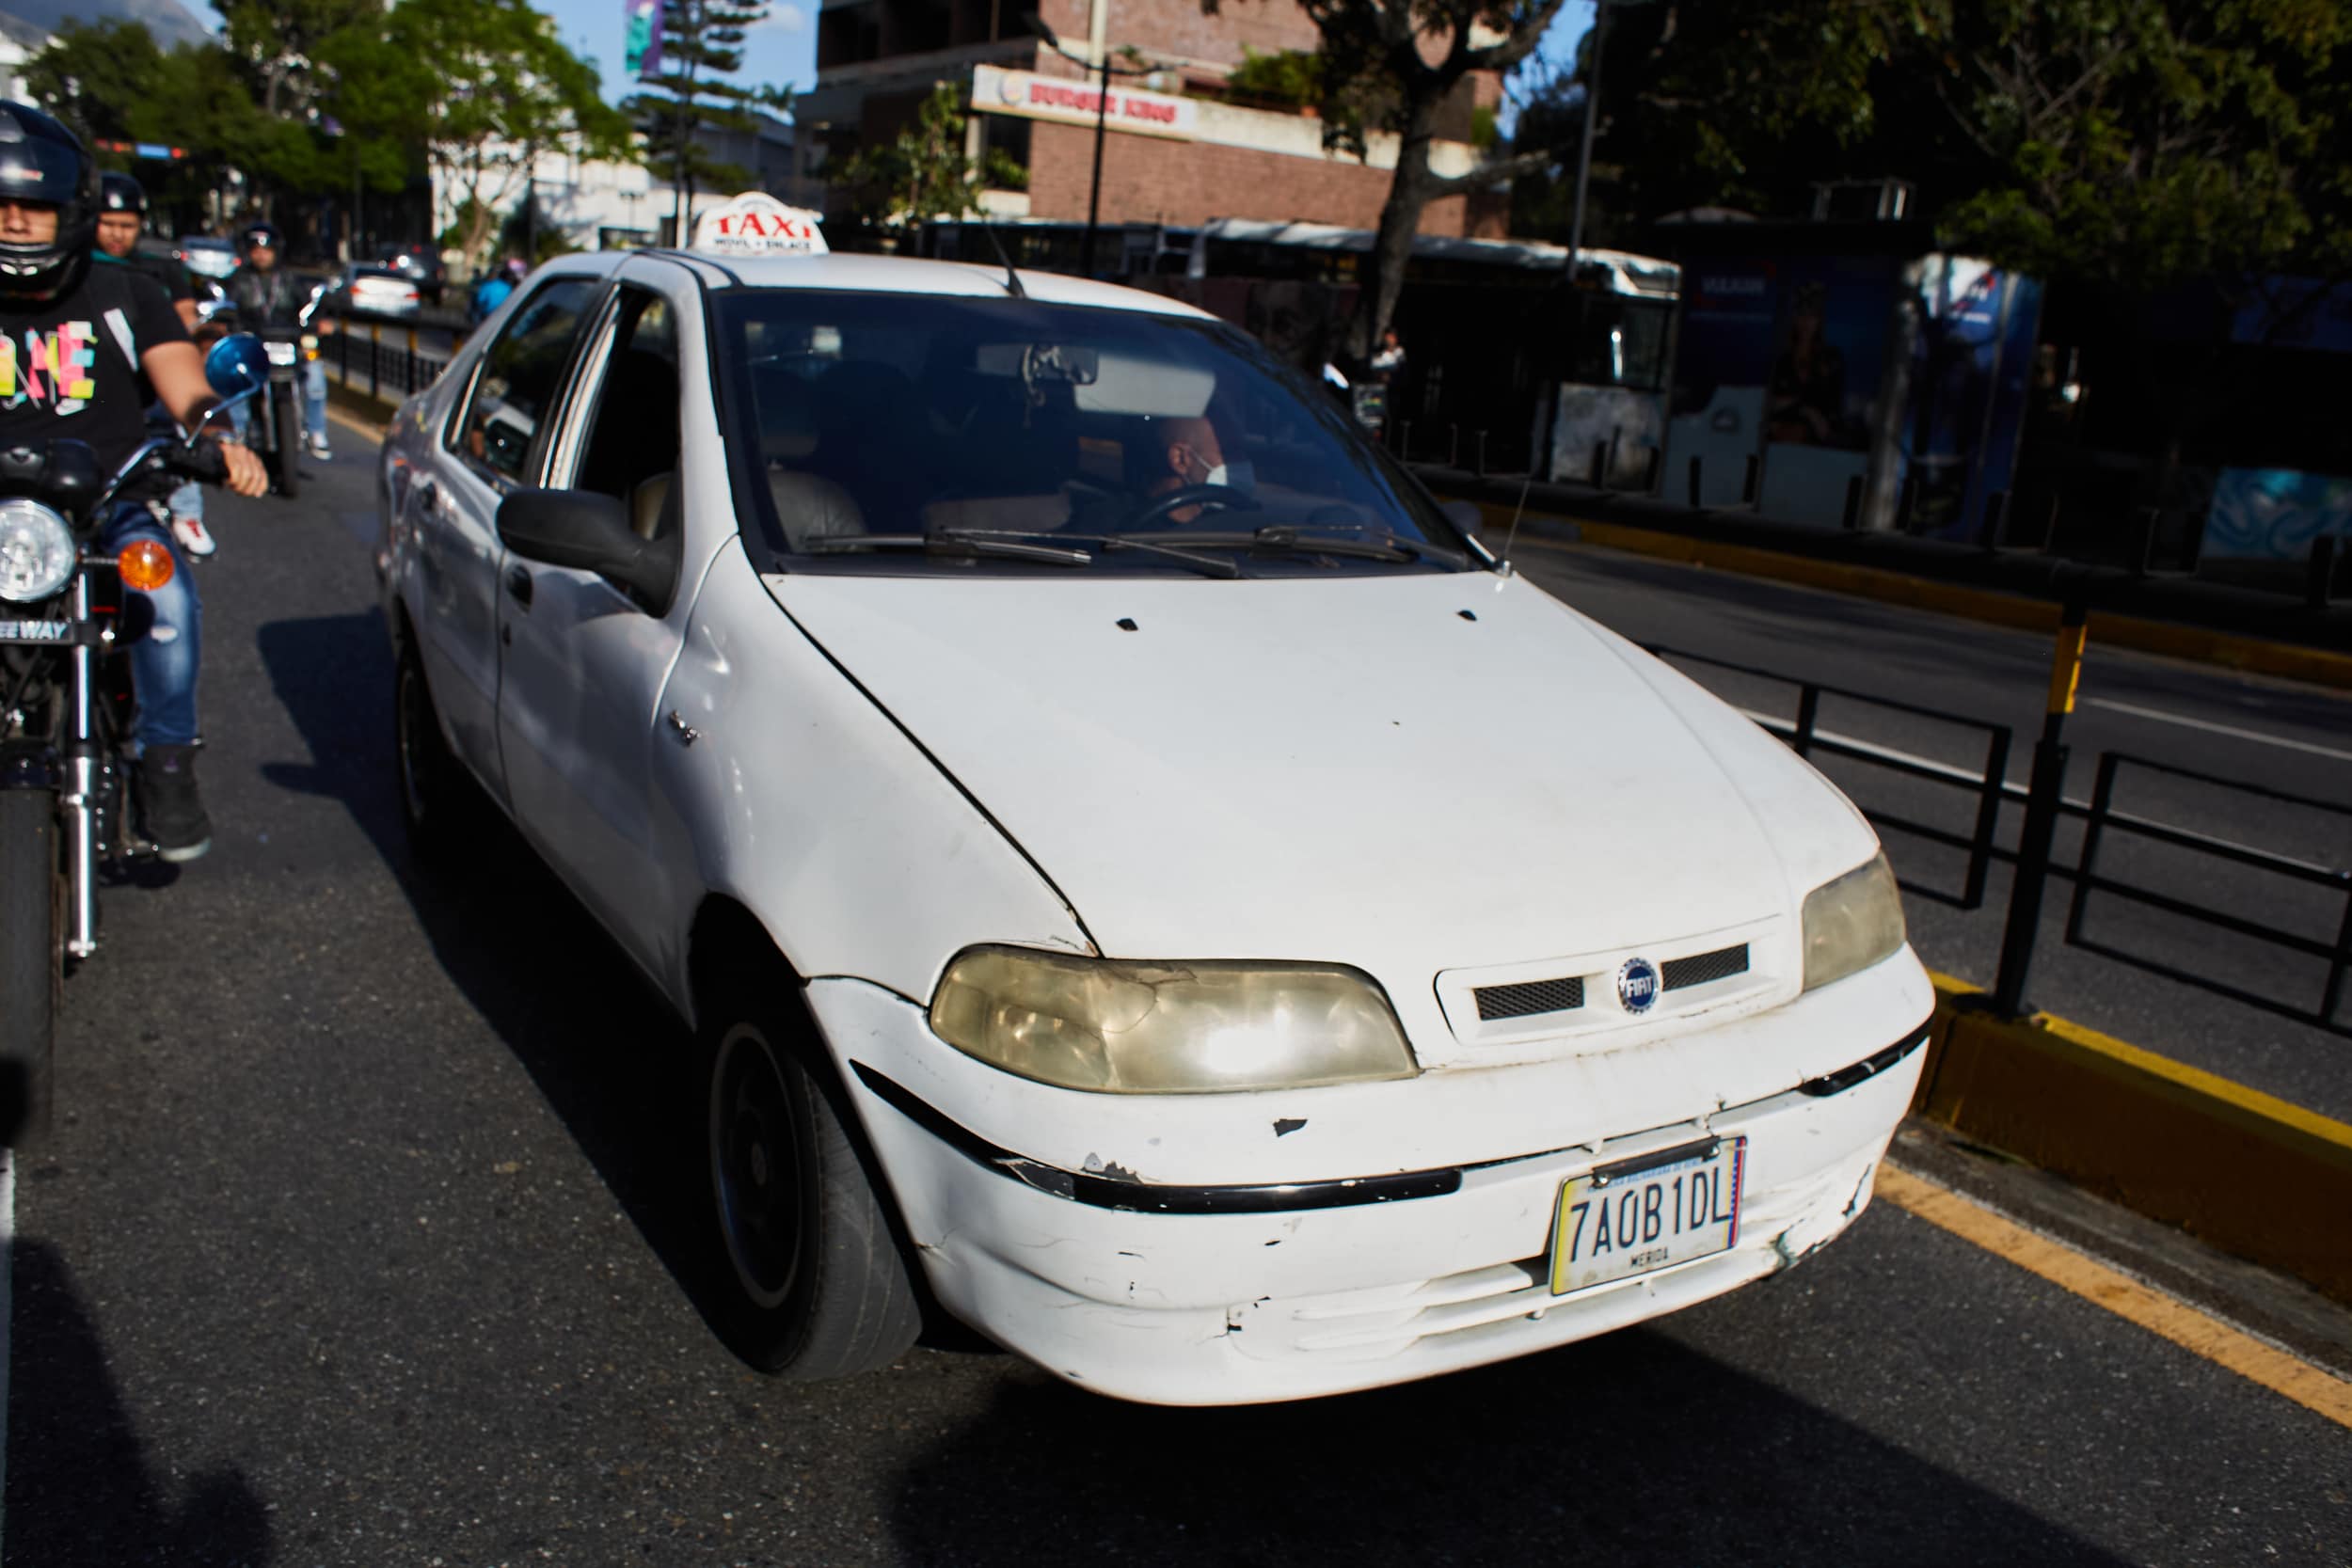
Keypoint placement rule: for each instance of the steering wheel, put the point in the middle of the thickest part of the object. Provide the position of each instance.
(1225, 497)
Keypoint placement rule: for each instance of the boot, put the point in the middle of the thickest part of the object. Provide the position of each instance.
(170, 811)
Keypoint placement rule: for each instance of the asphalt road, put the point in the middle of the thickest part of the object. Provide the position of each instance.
(2283, 736)
(374, 1236)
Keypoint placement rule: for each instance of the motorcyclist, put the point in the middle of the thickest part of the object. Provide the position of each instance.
(121, 212)
(492, 291)
(265, 294)
(83, 349)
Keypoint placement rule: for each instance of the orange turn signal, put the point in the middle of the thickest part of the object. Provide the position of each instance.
(146, 565)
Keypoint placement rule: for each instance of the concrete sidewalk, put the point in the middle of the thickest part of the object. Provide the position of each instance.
(2178, 615)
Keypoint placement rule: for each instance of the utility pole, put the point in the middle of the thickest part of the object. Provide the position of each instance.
(682, 200)
(1592, 120)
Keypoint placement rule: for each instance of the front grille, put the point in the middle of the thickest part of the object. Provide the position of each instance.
(1536, 996)
(1701, 968)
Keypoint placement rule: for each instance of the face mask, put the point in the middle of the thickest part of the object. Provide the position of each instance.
(1238, 476)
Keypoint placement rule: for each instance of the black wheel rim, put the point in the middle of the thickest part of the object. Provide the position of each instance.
(755, 1166)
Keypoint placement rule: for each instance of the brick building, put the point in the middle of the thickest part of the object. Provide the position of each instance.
(1182, 146)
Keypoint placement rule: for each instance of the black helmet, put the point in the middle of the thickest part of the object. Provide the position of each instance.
(120, 193)
(260, 232)
(42, 161)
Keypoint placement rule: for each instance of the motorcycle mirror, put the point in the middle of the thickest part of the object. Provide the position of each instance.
(237, 365)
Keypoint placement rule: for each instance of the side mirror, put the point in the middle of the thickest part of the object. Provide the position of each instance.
(591, 532)
(237, 366)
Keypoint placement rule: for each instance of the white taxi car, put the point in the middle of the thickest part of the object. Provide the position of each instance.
(1140, 875)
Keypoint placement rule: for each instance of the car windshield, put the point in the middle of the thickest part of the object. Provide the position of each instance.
(913, 432)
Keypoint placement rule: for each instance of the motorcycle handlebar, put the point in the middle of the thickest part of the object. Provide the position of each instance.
(204, 462)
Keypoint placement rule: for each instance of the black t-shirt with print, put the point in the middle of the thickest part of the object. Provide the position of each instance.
(68, 366)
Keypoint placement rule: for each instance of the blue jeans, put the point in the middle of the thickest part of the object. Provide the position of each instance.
(164, 663)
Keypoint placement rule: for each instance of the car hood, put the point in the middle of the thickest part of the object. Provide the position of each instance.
(1411, 773)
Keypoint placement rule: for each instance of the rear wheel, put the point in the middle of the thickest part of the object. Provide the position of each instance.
(821, 1286)
(32, 925)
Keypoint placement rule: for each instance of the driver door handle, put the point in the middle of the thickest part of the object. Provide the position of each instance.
(518, 585)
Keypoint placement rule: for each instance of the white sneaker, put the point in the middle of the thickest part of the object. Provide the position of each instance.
(195, 541)
(318, 449)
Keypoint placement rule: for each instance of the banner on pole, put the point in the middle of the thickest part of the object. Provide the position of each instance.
(644, 30)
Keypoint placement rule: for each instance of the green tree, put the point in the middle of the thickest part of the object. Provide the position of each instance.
(1392, 65)
(500, 88)
(923, 173)
(2131, 144)
(701, 44)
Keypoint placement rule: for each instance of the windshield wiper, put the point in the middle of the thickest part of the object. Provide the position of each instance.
(1214, 565)
(949, 541)
(1289, 541)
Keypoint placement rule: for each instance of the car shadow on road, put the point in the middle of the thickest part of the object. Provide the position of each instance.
(1630, 1449)
(609, 1056)
(80, 1489)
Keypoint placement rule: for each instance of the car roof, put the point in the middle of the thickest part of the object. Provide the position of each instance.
(900, 274)
(207, 241)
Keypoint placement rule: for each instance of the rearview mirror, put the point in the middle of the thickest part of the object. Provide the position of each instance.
(237, 365)
(591, 532)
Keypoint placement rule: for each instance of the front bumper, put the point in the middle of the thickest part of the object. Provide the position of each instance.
(1184, 1293)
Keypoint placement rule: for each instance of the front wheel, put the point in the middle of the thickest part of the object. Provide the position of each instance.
(286, 440)
(822, 1287)
(32, 925)
(440, 806)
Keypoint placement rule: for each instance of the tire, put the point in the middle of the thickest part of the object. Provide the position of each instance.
(440, 806)
(286, 443)
(32, 929)
(819, 1284)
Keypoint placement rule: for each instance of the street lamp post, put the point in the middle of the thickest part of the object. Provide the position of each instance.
(1103, 70)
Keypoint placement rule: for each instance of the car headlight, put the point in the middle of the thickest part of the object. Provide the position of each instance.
(1851, 922)
(1169, 1028)
(36, 553)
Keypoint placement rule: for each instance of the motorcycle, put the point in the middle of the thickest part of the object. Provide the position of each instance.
(67, 626)
(274, 430)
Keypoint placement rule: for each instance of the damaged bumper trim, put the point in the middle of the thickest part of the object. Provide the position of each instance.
(1869, 1067)
(1152, 1197)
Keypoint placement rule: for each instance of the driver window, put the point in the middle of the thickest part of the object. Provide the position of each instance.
(631, 450)
(516, 387)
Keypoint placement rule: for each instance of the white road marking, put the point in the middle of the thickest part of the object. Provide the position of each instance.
(2210, 728)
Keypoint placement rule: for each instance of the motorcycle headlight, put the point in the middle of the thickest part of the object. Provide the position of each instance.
(1169, 1028)
(1851, 922)
(36, 552)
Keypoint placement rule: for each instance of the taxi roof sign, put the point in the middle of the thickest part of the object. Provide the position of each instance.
(757, 224)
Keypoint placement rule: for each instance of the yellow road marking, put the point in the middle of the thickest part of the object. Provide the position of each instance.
(2308, 1386)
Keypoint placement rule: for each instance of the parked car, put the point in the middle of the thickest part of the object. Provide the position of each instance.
(365, 289)
(205, 256)
(1130, 859)
(418, 264)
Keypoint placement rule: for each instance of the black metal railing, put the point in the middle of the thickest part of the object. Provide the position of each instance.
(382, 356)
(2102, 818)
(1989, 788)
(1987, 783)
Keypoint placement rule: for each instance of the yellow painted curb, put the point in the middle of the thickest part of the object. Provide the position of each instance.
(2316, 665)
(2245, 1171)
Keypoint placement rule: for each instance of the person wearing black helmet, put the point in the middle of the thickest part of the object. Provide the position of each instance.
(121, 211)
(265, 294)
(83, 349)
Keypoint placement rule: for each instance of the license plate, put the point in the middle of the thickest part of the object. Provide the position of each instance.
(280, 354)
(36, 631)
(1647, 1214)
